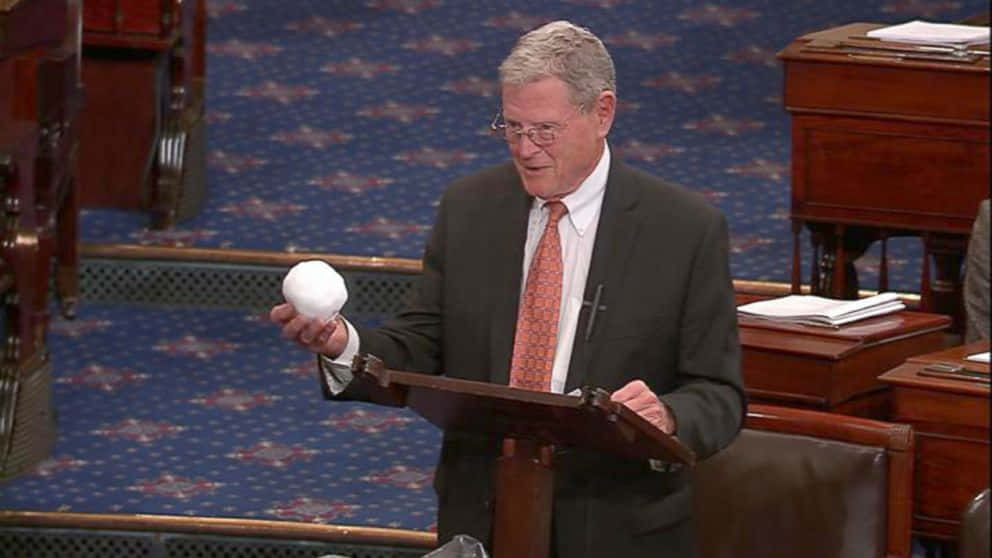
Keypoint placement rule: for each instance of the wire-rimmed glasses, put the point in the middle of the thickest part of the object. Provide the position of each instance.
(542, 134)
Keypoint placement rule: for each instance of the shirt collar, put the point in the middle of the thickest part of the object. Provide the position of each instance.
(583, 204)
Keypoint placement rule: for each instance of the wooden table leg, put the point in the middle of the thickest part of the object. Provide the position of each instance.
(942, 293)
(815, 281)
(838, 282)
(883, 263)
(67, 251)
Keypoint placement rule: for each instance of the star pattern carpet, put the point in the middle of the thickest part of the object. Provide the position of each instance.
(334, 125)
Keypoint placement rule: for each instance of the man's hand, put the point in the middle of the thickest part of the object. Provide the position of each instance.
(329, 338)
(638, 397)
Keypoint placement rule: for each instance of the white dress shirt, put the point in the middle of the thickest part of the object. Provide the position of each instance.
(577, 231)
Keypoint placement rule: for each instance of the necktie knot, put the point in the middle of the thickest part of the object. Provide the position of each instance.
(556, 210)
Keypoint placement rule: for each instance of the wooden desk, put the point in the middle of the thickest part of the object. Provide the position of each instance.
(833, 370)
(154, 126)
(884, 146)
(40, 97)
(951, 420)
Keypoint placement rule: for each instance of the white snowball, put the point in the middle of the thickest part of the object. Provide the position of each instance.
(315, 290)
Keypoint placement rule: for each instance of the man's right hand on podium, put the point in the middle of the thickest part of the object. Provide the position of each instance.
(329, 338)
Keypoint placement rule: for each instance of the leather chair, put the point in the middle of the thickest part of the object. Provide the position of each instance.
(807, 483)
(973, 541)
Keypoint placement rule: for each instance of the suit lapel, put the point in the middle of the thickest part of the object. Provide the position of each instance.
(507, 250)
(615, 238)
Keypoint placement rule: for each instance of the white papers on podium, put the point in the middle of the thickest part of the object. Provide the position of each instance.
(979, 357)
(922, 32)
(819, 311)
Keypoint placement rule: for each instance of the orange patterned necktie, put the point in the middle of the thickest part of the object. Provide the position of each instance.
(537, 320)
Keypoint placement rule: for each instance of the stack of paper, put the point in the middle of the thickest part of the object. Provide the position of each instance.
(816, 310)
(921, 32)
(979, 357)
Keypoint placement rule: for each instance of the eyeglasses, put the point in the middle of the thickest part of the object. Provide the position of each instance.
(542, 134)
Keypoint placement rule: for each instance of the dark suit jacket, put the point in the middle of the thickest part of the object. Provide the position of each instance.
(976, 278)
(661, 254)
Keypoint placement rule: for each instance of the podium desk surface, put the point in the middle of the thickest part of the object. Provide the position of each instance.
(913, 373)
(957, 354)
(851, 44)
(591, 421)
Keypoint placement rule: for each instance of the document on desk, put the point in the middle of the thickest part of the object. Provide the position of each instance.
(979, 357)
(820, 311)
(922, 32)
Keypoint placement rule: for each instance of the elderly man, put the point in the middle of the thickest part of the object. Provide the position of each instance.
(516, 257)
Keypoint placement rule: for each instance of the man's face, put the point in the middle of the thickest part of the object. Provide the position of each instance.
(557, 169)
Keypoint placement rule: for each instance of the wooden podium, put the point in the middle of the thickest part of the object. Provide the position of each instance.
(887, 140)
(532, 424)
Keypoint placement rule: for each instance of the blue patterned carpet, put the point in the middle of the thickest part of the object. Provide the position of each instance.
(334, 125)
(210, 413)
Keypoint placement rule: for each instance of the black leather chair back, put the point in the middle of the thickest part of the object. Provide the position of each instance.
(974, 539)
(805, 483)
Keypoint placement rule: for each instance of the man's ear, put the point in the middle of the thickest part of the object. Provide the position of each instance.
(606, 110)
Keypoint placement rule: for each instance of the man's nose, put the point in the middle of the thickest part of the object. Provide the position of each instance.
(526, 146)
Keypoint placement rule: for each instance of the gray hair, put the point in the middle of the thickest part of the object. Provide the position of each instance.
(566, 51)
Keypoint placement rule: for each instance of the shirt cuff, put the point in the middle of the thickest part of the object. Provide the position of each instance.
(337, 371)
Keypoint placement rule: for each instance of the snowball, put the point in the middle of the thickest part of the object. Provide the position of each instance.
(315, 290)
